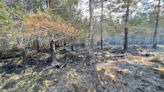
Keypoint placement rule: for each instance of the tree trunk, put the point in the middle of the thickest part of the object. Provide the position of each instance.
(37, 44)
(24, 55)
(22, 36)
(72, 44)
(64, 45)
(90, 25)
(101, 22)
(35, 6)
(156, 26)
(24, 6)
(126, 29)
(126, 39)
(4, 45)
(52, 51)
(48, 3)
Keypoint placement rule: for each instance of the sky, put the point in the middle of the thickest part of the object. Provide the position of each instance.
(144, 6)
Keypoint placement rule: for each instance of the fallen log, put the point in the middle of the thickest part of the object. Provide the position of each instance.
(11, 54)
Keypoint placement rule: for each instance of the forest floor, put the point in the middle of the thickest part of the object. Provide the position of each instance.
(108, 70)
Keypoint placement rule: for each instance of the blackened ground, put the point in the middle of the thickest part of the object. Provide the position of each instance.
(108, 70)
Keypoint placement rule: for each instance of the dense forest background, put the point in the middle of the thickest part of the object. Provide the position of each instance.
(108, 19)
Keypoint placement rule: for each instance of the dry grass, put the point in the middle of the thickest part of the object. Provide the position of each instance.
(160, 69)
(106, 66)
(111, 75)
(112, 71)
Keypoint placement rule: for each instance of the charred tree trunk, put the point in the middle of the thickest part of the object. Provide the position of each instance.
(24, 55)
(90, 25)
(57, 45)
(126, 29)
(72, 44)
(64, 46)
(156, 26)
(126, 39)
(72, 47)
(101, 22)
(52, 51)
(37, 44)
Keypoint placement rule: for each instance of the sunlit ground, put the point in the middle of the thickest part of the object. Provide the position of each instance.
(141, 70)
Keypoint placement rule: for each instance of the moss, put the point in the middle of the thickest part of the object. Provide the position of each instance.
(28, 71)
(156, 58)
(50, 71)
(47, 83)
(22, 83)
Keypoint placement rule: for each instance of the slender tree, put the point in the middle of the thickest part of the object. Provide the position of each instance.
(101, 22)
(37, 44)
(48, 3)
(52, 49)
(156, 25)
(90, 25)
(126, 25)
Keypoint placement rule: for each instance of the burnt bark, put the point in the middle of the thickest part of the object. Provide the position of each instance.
(126, 28)
(37, 44)
(72, 44)
(156, 26)
(101, 22)
(57, 45)
(24, 55)
(52, 51)
(126, 39)
(11, 53)
(64, 46)
(90, 25)
(72, 47)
